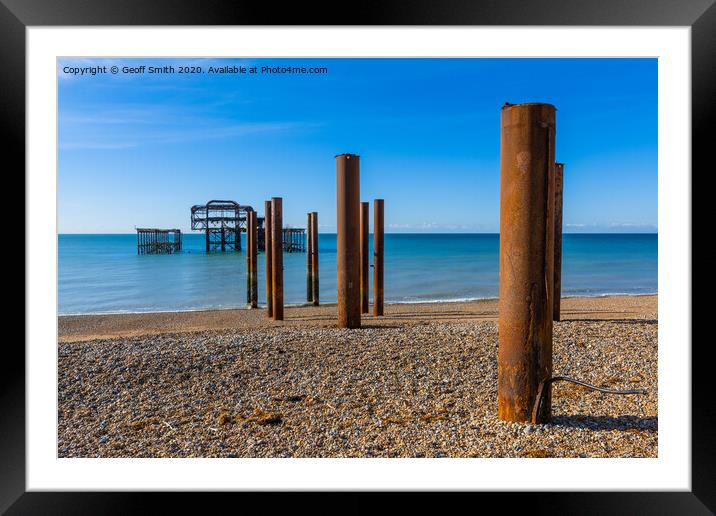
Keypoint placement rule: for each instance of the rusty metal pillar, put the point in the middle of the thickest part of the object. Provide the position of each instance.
(254, 259)
(526, 259)
(364, 264)
(277, 257)
(348, 239)
(309, 260)
(269, 252)
(248, 256)
(314, 260)
(558, 187)
(378, 258)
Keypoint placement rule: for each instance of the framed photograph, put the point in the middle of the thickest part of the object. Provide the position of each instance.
(440, 248)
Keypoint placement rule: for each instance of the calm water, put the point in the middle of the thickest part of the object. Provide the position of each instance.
(103, 273)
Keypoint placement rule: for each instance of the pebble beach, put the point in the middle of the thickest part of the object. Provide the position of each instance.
(419, 382)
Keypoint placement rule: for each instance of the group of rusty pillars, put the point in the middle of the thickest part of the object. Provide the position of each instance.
(377, 257)
(252, 288)
(312, 259)
(530, 251)
(352, 246)
(274, 258)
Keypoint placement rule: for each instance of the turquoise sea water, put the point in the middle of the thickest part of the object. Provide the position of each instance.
(104, 274)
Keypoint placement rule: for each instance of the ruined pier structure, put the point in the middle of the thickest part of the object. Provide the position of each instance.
(158, 241)
(530, 251)
(224, 221)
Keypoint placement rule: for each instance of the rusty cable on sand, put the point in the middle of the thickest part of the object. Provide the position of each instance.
(547, 381)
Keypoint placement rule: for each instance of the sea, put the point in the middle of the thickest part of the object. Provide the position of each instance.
(100, 274)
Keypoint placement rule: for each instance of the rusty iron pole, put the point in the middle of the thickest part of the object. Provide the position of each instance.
(558, 188)
(364, 263)
(526, 259)
(378, 258)
(309, 259)
(254, 259)
(248, 258)
(268, 250)
(277, 257)
(348, 239)
(314, 260)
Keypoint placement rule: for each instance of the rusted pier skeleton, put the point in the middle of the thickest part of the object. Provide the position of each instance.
(314, 259)
(378, 256)
(526, 259)
(222, 222)
(558, 188)
(277, 258)
(294, 240)
(269, 259)
(157, 241)
(348, 240)
(364, 263)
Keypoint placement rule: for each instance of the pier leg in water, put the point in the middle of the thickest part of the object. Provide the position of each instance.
(348, 240)
(277, 257)
(248, 257)
(364, 263)
(314, 260)
(558, 188)
(378, 258)
(309, 260)
(254, 260)
(269, 251)
(526, 259)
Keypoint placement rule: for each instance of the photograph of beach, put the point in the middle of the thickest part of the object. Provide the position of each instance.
(357, 257)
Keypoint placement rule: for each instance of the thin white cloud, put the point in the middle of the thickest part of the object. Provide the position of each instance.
(96, 146)
(162, 136)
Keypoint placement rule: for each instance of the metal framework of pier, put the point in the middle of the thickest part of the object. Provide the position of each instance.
(158, 241)
(294, 240)
(223, 222)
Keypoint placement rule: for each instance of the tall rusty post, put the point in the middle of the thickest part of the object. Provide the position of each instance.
(248, 258)
(558, 188)
(378, 257)
(364, 264)
(269, 253)
(309, 259)
(277, 257)
(348, 239)
(253, 250)
(314, 260)
(526, 259)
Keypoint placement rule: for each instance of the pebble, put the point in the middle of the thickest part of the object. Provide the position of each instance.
(423, 390)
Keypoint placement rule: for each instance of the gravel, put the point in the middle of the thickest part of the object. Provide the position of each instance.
(420, 390)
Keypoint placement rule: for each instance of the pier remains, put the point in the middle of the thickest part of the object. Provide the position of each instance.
(294, 240)
(158, 241)
(223, 222)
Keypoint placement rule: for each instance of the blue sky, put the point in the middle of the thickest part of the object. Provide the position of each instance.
(140, 149)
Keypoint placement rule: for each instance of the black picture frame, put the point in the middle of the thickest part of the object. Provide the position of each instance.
(17, 15)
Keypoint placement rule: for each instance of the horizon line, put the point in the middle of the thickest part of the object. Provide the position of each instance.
(199, 233)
